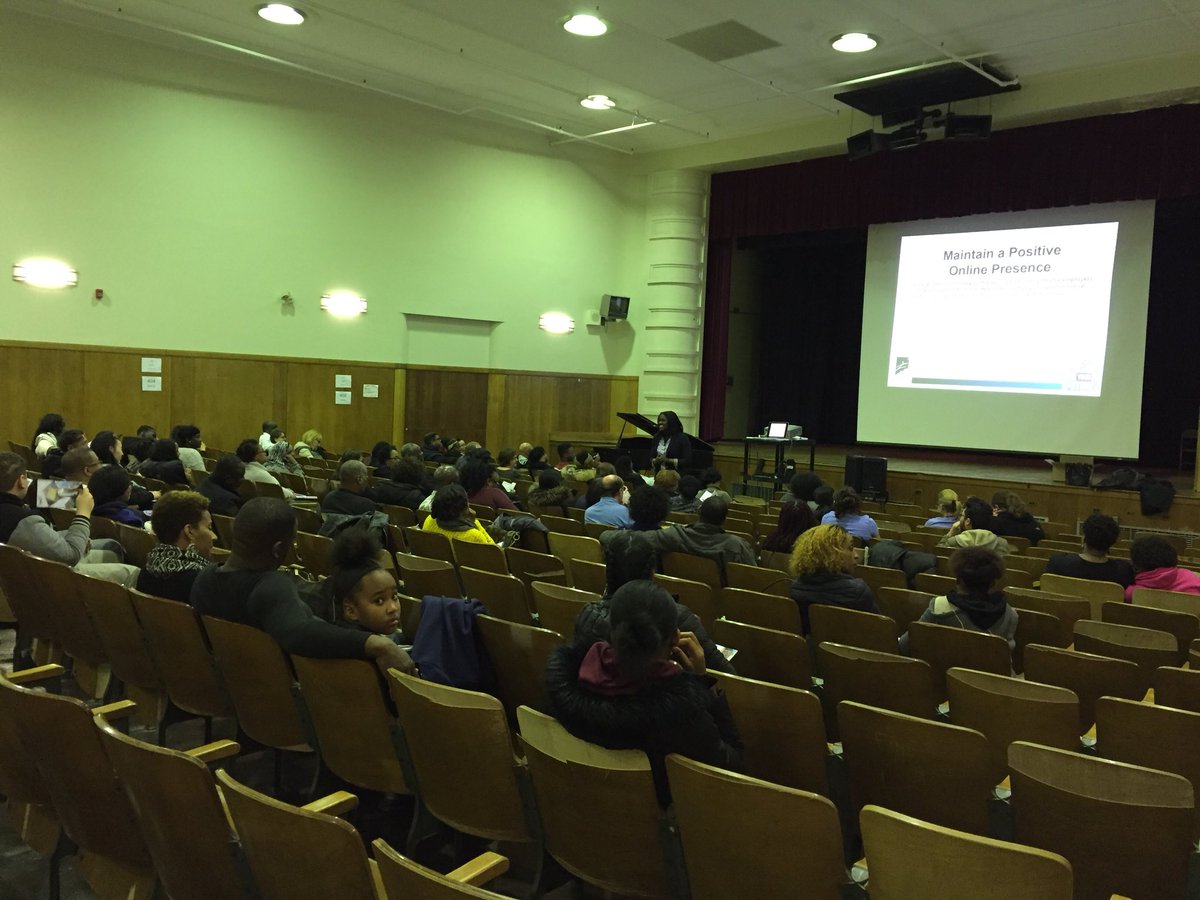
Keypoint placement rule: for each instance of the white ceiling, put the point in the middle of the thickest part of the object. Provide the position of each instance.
(510, 60)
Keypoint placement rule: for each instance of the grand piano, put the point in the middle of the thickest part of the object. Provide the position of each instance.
(641, 449)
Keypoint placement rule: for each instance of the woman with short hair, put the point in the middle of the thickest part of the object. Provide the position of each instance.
(183, 525)
(450, 515)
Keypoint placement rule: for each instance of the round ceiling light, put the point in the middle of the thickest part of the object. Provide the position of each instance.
(598, 101)
(585, 25)
(854, 42)
(281, 14)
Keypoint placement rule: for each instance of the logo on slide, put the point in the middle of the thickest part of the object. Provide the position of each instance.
(901, 364)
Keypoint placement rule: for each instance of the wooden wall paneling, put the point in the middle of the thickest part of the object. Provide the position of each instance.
(226, 398)
(39, 380)
(451, 402)
(622, 397)
(497, 413)
(310, 404)
(399, 398)
(113, 395)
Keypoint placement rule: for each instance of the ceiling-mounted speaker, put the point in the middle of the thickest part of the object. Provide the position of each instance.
(968, 128)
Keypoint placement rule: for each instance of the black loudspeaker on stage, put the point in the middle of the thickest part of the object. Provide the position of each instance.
(867, 475)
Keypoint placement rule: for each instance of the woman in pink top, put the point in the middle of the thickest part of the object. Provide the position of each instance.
(1156, 565)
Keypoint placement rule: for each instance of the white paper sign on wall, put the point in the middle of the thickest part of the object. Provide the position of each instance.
(341, 398)
(152, 364)
(370, 390)
(151, 382)
(343, 381)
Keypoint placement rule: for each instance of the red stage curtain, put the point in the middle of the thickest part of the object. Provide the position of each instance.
(716, 340)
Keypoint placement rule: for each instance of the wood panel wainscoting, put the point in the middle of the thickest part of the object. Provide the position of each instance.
(228, 396)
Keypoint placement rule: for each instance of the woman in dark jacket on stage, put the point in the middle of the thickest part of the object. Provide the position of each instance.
(646, 690)
(671, 446)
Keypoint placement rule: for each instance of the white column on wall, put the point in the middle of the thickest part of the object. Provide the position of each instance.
(674, 326)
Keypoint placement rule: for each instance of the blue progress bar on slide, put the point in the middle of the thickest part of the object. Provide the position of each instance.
(966, 382)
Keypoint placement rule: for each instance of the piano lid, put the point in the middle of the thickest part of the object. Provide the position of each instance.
(637, 420)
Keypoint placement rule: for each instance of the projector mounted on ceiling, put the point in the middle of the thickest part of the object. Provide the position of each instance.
(954, 127)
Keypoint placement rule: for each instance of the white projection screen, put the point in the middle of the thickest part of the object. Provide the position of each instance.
(1010, 331)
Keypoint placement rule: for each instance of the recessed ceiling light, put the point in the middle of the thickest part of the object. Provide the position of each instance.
(281, 14)
(585, 25)
(854, 42)
(598, 101)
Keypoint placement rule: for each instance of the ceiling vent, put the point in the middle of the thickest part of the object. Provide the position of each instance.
(725, 40)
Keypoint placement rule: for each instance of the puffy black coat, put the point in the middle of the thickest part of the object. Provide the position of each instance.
(684, 714)
(1005, 523)
(835, 588)
(593, 625)
(395, 493)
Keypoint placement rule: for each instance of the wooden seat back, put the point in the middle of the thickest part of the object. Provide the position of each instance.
(36, 619)
(61, 597)
(224, 529)
(617, 845)
(558, 607)
(518, 654)
(1145, 647)
(878, 577)
(564, 525)
(1005, 709)
(934, 584)
(943, 647)
(297, 852)
(779, 657)
(902, 606)
(933, 771)
(259, 680)
(1088, 676)
(755, 578)
(502, 595)
(531, 566)
(429, 544)
(137, 543)
(404, 878)
(1174, 601)
(589, 576)
(480, 792)
(174, 797)
(1097, 593)
(1034, 628)
(315, 553)
(758, 858)
(1177, 688)
(763, 610)
(900, 849)
(695, 595)
(851, 627)
(883, 680)
(782, 731)
(30, 807)
(488, 557)
(354, 729)
(1068, 610)
(427, 577)
(567, 547)
(1183, 626)
(693, 568)
(1125, 830)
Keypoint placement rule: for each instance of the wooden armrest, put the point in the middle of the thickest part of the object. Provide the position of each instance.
(1149, 698)
(39, 673)
(334, 804)
(122, 709)
(480, 870)
(209, 753)
(534, 576)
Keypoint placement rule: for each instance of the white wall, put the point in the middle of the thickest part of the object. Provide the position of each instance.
(196, 190)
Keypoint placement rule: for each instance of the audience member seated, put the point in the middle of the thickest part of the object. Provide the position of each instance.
(847, 513)
(536, 461)
(383, 454)
(975, 603)
(137, 451)
(111, 487)
(478, 478)
(823, 498)
(972, 529)
(450, 515)
(632, 478)
(1009, 517)
(70, 439)
(412, 453)
(360, 594)
(672, 448)
(610, 509)
(311, 446)
(628, 556)
(184, 529)
(361, 455)
(710, 485)
(646, 690)
(350, 498)
(79, 464)
(45, 436)
(254, 456)
(222, 485)
(280, 459)
(164, 463)
(795, 518)
(506, 465)
(707, 537)
(442, 476)
(23, 527)
(948, 509)
(667, 481)
(582, 467)
(110, 452)
(187, 438)
(648, 509)
(249, 589)
(270, 433)
(566, 455)
(1100, 532)
(803, 489)
(687, 501)
(1156, 565)
(433, 449)
(823, 563)
(147, 433)
(523, 451)
(401, 487)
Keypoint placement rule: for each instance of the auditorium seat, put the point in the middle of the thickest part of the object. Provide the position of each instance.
(1035, 628)
(518, 654)
(558, 606)
(400, 516)
(488, 557)
(1096, 593)
(851, 627)
(1088, 676)
(697, 596)
(563, 525)
(763, 610)
(600, 817)
(402, 877)
(307, 519)
(945, 647)
(427, 577)
(938, 585)
(1178, 688)
(877, 578)
(59, 599)
(531, 566)
(779, 657)
(759, 857)
(1067, 609)
(774, 559)
(28, 806)
(902, 606)
(567, 547)
(589, 576)
(1125, 829)
(881, 680)
(503, 596)
(315, 553)
(693, 568)
(937, 772)
(1183, 626)
(1145, 647)
(755, 578)
(428, 544)
(1176, 601)
(910, 858)
(224, 528)
(782, 731)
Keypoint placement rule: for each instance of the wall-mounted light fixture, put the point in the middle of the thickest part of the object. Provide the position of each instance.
(556, 323)
(343, 304)
(45, 273)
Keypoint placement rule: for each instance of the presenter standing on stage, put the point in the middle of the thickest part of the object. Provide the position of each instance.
(671, 446)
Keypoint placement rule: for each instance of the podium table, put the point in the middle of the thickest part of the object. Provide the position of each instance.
(781, 446)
